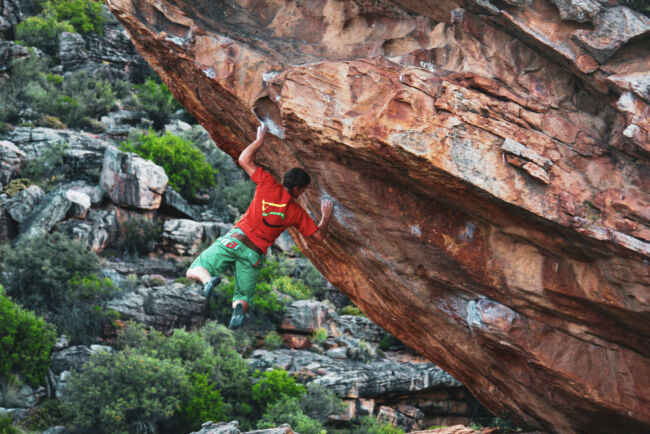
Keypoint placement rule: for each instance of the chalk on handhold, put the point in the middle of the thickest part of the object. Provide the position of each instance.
(268, 114)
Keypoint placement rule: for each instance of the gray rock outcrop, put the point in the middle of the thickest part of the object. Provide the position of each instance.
(578, 10)
(132, 181)
(182, 236)
(305, 316)
(51, 210)
(10, 15)
(233, 428)
(69, 358)
(175, 204)
(163, 307)
(72, 51)
(23, 203)
(11, 160)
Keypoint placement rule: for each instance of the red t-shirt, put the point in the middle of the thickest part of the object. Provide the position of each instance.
(272, 211)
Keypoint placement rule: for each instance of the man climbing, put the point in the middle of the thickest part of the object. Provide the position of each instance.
(272, 210)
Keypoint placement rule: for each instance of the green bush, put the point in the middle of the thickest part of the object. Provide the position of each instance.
(319, 403)
(291, 287)
(56, 276)
(140, 235)
(157, 101)
(184, 164)
(220, 377)
(47, 167)
(42, 31)
(45, 415)
(275, 385)
(6, 425)
(287, 410)
(85, 16)
(74, 100)
(351, 310)
(273, 341)
(319, 335)
(371, 425)
(25, 342)
(117, 392)
(642, 6)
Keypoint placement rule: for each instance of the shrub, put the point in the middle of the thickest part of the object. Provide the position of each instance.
(371, 425)
(45, 415)
(184, 164)
(319, 335)
(275, 385)
(157, 101)
(16, 186)
(46, 167)
(287, 410)
(6, 425)
(118, 391)
(25, 342)
(85, 16)
(140, 235)
(273, 341)
(351, 310)
(638, 5)
(319, 403)
(205, 402)
(292, 287)
(42, 31)
(55, 275)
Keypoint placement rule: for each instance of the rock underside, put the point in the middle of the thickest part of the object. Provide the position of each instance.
(489, 168)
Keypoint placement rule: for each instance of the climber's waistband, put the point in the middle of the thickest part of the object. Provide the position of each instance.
(240, 236)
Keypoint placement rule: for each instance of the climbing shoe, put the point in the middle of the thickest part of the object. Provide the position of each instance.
(208, 288)
(237, 316)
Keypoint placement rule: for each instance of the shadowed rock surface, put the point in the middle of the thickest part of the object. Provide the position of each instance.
(489, 168)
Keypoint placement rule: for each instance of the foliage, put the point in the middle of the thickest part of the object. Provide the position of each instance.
(287, 410)
(205, 402)
(55, 275)
(371, 425)
(319, 402)
(46, 167)
(74, 100)
(273, 341)
(140, 235)
(388, 341)
(16, 186)
(25, 342)
(6, 425)
(116, 391)
(45, 415)
(58, 16)
(275, 385)
(351, 310)
(319, 335)
(220, 379)
(292, 287)
(42, 31)
(184, 164)
(157, 101)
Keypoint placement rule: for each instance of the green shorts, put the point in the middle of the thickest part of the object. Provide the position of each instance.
(229, 251)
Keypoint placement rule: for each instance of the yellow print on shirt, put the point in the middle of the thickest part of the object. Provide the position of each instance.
(266, 205)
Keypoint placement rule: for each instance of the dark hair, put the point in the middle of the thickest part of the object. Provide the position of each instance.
(296, 177)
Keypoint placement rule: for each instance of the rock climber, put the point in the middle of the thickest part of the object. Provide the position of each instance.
(272, 210)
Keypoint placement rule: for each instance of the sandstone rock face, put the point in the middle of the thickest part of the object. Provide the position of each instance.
(526, 280)
(132, 181)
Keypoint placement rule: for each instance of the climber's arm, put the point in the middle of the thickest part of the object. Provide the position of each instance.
(326, 206)
(247, 157)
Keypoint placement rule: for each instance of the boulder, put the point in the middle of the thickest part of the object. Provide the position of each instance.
(360, 327)
(24, 396)
(23, 203)
(578, 10)
(164, 307)
(70, 358)
(11, 160)
(502, 274)
(132, 181)
(72, 51)
(96, 232)
(233, 428)
(79, 203)
(174, 204)
(120, 122)
(83, 152)
(613, 28)
(182, 236)
(51, 210)
(10, 16)
(305, 316)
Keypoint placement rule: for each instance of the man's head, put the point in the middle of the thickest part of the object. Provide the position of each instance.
(295, 181)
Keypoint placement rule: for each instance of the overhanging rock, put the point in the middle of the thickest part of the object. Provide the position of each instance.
(529, 283)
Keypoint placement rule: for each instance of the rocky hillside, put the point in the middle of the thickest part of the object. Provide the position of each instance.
(489, 165)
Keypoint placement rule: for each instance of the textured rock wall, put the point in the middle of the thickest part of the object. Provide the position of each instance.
(489, 166)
